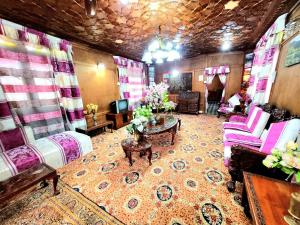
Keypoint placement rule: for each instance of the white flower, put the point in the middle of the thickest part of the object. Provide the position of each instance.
(270, 160)
(291, 145)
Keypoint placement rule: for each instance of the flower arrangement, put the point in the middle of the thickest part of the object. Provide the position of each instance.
(92, 108)
(287, 160)
(137, 125)
(141, 117)
(157, 95)
(145, 111)
(169, 106)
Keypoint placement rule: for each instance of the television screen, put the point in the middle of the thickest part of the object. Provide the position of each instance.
(123, 105)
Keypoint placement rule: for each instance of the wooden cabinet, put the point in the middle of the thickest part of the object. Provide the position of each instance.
(188, 102)
(120, 119)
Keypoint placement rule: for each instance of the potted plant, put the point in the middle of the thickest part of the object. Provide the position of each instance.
(141, 117)
(287, 160)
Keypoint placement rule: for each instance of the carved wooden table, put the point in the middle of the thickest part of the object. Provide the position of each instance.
(92, 130)
(26, 180)
(267, 198)
(169, 124)
(142, 147)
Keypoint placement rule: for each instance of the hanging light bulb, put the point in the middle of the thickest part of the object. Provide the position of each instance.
(159, 61)
(147, 57)
(90, 7)
(154, 46)
(169, 46)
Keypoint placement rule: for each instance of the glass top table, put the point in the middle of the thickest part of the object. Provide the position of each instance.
(167, 123)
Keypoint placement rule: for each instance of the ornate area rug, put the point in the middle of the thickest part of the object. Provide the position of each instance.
(41, 207)
(184, 185)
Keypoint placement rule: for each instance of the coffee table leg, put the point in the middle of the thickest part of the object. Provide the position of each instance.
(150, 156)
(179, 124)
(130, 158)
(174, 130)
(55, 181)
(126, 155)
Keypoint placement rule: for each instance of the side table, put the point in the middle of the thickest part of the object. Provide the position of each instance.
(26, 180)
(92, 130)
(142, 147)
(267, 199)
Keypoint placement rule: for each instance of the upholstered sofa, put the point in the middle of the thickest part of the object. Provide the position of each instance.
(20, 151)
(248, 154)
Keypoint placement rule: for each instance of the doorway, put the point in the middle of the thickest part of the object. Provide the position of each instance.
(214, 96)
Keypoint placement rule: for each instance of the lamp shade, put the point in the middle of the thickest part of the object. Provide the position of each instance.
(90, 7)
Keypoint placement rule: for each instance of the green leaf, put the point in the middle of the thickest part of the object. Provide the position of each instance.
(287, 170)
(297, 175)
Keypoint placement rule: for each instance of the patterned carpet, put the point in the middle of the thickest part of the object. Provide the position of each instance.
(184, 185)
(212, 108)
(41, 207)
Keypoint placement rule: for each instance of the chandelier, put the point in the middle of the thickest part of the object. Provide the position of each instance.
(161, 50)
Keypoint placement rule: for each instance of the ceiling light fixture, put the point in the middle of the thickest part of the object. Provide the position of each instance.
(231, 5)
(175, 73)
(90, 7)
(119, 41)
(226, 46)
(161, 49)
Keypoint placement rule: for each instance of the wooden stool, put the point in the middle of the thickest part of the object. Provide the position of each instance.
(129, 146)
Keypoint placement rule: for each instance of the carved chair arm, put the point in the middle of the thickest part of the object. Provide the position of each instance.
(245, 159)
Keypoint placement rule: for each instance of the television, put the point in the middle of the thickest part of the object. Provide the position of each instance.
(119, 106)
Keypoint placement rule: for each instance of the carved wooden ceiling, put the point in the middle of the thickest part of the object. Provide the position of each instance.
(200, 24)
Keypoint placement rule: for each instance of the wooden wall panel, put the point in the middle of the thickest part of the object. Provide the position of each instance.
(99, 87)
(235, 60)
(286, 88)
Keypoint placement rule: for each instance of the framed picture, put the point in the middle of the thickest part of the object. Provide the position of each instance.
(180, 82)
(293, 52)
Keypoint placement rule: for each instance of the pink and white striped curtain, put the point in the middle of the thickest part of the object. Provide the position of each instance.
(38, 76)
(132, 80)
(210, 73)
(266, 55)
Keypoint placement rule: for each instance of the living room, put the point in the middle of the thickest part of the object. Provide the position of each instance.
(149, 112)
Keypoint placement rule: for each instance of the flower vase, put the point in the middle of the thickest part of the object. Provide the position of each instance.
(95, 119)
(136, 138)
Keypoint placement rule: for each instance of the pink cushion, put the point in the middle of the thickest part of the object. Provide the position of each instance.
(238, 119)
(22, 158)
(225, 110)
(243, 139)
(10, 139)
(236, 126)
(280, 134)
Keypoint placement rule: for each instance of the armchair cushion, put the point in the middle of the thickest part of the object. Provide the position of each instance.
(255, 125)
(13, 138)
(234, 100)
(244, 139)
(238, 119)
(280, 134)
